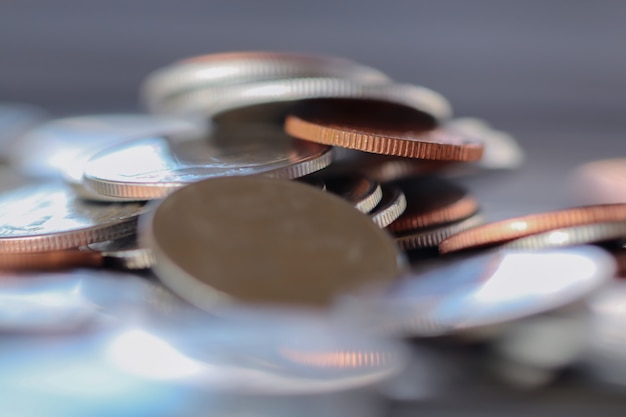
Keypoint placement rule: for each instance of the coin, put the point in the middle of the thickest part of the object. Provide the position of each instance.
(361, 191)
(390, 207)
(381, 128)
(571, 236)
(491, 288)
(48, 217)
(256, 240)
(432, 201)
(62, 146)
(518, 227)
(272, 100)
(431, 237)
(244, 67)
(151, 168)
(600, 182)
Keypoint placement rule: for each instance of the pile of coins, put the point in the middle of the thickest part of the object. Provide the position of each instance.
(182, 224)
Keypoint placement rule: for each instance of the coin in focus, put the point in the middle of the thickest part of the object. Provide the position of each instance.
(390, 207)
(262, 241)
(359, 190)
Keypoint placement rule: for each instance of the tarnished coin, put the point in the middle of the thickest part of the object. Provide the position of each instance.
(256, 240)
(518, 227)
(381, 128)
(214, 70)
(600, 182)
(48, 217)
(151, 168)
(15, 120)
(432, 201)
(272, 100)
(572, 236)
(390, 207)
(359, 190)
(61, 147)
(431, 237)
(491, 288)
(60, 301)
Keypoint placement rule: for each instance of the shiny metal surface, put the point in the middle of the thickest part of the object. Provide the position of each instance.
(49, 216)
(151, 168)
(492, 288)
(390, 207)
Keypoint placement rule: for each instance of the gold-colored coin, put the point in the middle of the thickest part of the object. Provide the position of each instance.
(256, 240)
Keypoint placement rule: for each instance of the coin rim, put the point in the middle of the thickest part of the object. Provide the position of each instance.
(432, 236)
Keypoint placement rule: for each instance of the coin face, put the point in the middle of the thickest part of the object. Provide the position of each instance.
(432, 201)
(214, 70)
(600, 182)
(60, 148)
(492, 288)
(302, 246)
(518, 227)
(382, 128)
(50, 217)
(390, 207)
(152, 168)
(359, 190)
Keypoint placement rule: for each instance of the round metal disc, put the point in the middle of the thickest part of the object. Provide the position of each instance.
(62, 147)
(361, 191)
(49, 217)
(244, 67)
(152, 168)
(492, 288)
(430, 237)
(390, 207)
(264, 241)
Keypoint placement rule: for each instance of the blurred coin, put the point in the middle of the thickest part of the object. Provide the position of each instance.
(381, 128)
(122, 253)
(151, 168)
(359, 190)
(61, 147)
(61, 301)
(491, 288)
(431, 237)
(432, 201)
(600, 182)
(263, 241)
(48, 217)
(214, 70)
(390, 207)
(270, 101)
(572, 236)
(15, 120)
(518, 227)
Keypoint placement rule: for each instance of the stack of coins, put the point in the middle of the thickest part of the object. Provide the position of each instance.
(189, 211)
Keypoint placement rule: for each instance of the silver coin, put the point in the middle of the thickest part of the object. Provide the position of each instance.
(431, 237)
(124, 253)
(60, 148)
(236, 68)
(152, 168)
(49, 216)
(281, 94)
(492, 288)
(390, 207)
(62, 301)
(15, 120)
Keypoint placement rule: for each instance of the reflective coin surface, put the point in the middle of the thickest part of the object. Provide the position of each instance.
(49, 216)
(492, 288)
(600, 182)
(432, 201)
(61, 147)
(214, 70)
(262, 241)
(359, 190)
(390, 207)
(390, 128)
(151, 168)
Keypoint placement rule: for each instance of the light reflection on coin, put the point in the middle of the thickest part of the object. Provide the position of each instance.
(262, 241)
(61, 147)
(50, 217)
(154, 167)
(491, 288)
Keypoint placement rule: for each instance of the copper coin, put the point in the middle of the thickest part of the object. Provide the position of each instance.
(600, 182)
(431, 237)
(358, 190)
(391, 206)
(432, 201)
(381, 128)
(518, 227)
(257, 240)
